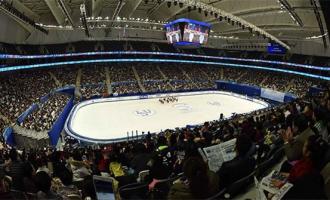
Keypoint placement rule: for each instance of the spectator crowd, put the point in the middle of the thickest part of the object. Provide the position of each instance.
(20, 90)
(172, 165)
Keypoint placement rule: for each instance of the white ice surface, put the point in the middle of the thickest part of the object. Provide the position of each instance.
(110, 120)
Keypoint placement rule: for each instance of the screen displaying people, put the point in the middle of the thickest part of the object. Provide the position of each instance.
(195, 33)
(173, 33)
(187, 32)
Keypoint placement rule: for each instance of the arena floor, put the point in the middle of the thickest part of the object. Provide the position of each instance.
(108, 120)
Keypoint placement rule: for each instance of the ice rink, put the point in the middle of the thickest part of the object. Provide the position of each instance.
(108, 119)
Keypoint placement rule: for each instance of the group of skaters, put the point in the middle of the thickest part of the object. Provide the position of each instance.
(168, 99)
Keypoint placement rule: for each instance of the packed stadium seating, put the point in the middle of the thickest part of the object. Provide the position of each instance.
(20, 90)
(124, 161)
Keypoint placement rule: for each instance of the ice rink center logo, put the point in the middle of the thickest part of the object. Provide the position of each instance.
(182, 106)
(214, 103)
(144, 112)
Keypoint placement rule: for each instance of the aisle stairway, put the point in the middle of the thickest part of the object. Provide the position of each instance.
(108, 80)
(78, 82)
(241, 76)
(57, 82)
(289, 86)
(188, 77)
(165, 77)
(263, 81)
(4, 118)
(221, 73)
(205, 74)
(137, 77)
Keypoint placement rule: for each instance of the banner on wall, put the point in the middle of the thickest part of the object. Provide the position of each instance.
(272, 95)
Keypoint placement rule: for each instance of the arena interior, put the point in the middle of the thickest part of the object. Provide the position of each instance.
(164, 99)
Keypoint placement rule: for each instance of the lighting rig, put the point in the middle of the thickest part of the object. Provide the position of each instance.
(319, 21)
(11, 10)
(285, 5)
(83, 19)
(221, 15)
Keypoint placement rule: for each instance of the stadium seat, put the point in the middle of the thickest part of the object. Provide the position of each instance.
(219, 195)
(32, 196)
(264, 167)
(239, 186)
(162, 188)
(15, 194)
(278, 155)
(142, 175)
(134, 191)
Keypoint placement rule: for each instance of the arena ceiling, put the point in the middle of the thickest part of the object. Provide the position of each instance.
(285, 20)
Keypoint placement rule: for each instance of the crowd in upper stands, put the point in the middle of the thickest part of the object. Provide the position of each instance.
(296, 132)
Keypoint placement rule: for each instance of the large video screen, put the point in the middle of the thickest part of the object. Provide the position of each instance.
(186, 31)
(173, 33)
(195, 33)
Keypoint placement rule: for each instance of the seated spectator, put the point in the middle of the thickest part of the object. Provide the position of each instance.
(311, 161)
(79, 168)
(67, 188)
(16, 170)
(57, 163)
(43, 183)
(305, 173)
(241, 166)
(29, 179)
(116, 170)
(42, 165)
(295, 137)
(140, 159)
(200, 182)
(115, 167)
(158, 170)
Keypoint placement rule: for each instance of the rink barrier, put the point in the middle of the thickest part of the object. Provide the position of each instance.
(68, 124)
(8, 135)
(254, 91)
(55, 131)
(27, 112)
